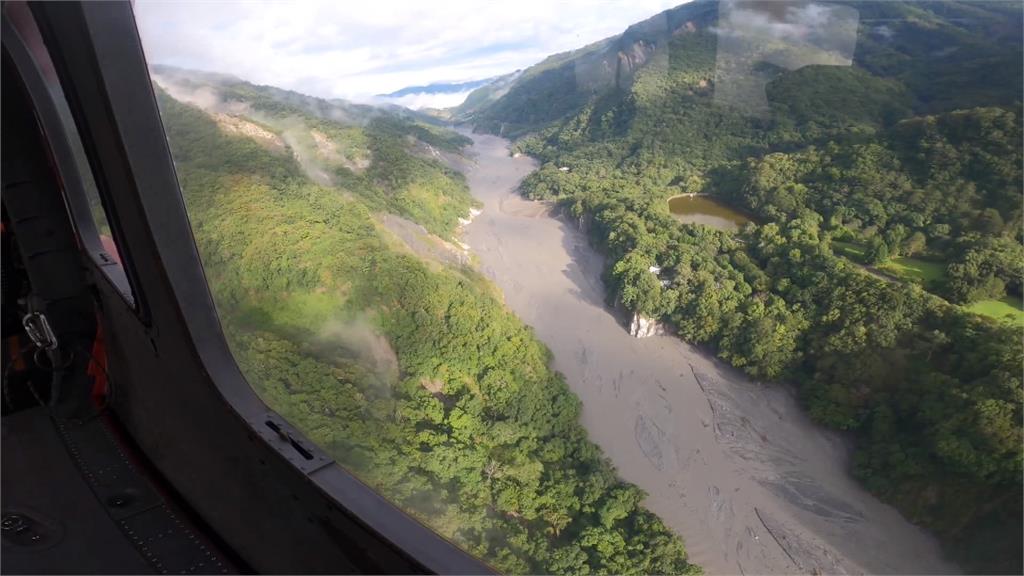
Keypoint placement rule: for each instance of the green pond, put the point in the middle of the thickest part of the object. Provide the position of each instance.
(703, 210)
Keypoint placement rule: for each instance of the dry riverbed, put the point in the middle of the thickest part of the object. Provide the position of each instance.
(734, 466)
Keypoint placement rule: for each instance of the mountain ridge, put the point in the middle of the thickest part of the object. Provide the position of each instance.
(889, 44)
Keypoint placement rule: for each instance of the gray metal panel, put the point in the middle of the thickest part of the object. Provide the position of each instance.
(41, 482)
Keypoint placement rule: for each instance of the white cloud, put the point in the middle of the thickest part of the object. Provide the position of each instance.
(358, 48)
(420, 100)
(784, 35)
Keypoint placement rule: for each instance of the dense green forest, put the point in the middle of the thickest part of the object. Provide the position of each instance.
(360, 148)
(888, 193)
(414, 377)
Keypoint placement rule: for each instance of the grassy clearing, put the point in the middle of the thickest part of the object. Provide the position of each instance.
(851, 250)
(924, 272)
(1008, 308)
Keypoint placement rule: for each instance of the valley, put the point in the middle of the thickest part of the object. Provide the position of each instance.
(829, 380)
(350, 308)
(856, 146)
(733, 465)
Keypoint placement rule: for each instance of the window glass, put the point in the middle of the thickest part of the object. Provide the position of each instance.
(575, 283)
(96, 209)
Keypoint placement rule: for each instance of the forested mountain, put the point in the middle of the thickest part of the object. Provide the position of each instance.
(881, 157)
(411, 374)
(389, 159)
(480, 97)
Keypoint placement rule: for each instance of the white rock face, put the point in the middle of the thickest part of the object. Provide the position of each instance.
(473, 213)
(644, 327)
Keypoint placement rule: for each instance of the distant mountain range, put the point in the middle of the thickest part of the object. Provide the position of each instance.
(436, 95)
(438, 88)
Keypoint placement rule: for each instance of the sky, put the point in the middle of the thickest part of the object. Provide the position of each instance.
(355, 49)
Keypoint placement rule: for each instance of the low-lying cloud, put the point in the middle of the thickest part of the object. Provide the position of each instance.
(785, 35)
(421, 100)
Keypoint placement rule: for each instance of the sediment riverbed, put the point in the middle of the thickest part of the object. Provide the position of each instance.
(734, 466)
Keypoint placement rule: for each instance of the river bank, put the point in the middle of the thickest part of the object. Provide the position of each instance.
(735, 467)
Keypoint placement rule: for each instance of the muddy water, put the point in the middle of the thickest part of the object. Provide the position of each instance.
(703, 210)
(734, 467)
